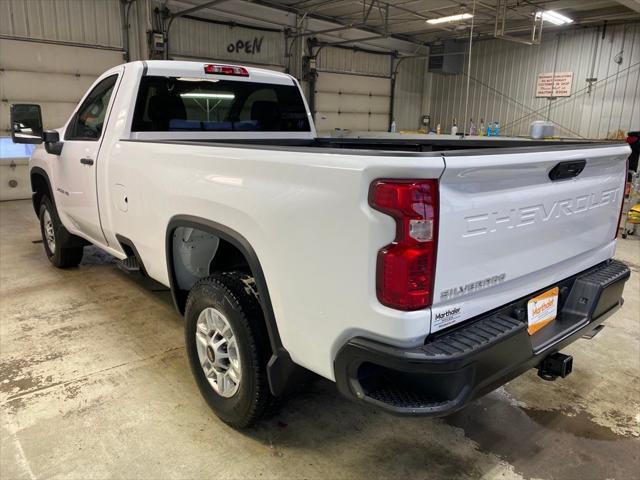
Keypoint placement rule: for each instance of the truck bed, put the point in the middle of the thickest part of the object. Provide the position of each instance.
(506, 221)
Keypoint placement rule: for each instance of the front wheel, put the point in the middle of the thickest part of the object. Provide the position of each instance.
(228, 347)
(63, 249)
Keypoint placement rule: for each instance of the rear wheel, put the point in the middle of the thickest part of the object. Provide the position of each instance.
(228, 347)
(63, 249)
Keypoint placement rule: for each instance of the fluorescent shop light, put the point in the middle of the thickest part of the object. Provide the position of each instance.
(450, 18)
(553, 17)
(208, 95)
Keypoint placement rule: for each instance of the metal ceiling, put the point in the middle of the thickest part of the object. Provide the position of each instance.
(402, 24)
(407, 18)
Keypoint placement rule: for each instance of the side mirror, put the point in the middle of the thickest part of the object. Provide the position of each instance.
(51, 136)
(26, 123)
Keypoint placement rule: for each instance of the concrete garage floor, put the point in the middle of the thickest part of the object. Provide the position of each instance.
(94, 383)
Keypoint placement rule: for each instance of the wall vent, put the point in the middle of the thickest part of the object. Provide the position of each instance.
(447, 58)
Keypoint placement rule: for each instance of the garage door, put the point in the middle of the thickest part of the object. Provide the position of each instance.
(54, 76)
(354, 102)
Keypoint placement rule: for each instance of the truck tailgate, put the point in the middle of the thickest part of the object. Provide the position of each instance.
(507, 229)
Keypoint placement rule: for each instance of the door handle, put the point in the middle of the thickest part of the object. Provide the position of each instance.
(86, 161)
(565, 170)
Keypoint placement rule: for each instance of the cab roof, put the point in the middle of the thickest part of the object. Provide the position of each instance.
(174, 68)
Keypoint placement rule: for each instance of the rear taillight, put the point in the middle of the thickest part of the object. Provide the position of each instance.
(226, 70)
(406, 267)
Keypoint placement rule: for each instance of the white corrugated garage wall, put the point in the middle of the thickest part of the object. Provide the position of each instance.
(503, 84)
(51, 51)
(409, 104)
(353, 90)
(200, 40)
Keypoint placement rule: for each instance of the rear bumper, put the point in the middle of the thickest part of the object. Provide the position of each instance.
(468, 361)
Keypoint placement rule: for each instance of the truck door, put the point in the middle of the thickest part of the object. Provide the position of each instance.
(76, 194)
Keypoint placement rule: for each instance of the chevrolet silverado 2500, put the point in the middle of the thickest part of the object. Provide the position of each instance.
(416, 274)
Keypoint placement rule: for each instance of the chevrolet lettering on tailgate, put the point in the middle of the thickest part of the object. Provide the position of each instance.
(529, 215)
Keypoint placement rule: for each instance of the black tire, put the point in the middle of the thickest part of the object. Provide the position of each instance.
(67, 249)
(234, 295)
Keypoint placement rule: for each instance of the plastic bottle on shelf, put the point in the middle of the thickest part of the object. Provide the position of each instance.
(472, 127)
(496, 129)
(490, 129)
(482, 130)
(394, 127)
(438, 129)
(454, 127)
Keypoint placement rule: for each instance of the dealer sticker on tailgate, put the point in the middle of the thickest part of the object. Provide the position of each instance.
(542, 310)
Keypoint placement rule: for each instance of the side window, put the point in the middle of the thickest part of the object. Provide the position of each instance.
(88, 121)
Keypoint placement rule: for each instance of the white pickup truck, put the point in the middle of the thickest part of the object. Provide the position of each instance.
(417, 275)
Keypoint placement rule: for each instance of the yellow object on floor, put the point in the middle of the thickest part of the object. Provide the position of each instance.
(633, 216)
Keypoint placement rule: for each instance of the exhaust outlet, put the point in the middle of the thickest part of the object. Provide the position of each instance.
(554, 366)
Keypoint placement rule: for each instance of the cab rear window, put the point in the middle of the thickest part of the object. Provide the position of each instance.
(171, 104)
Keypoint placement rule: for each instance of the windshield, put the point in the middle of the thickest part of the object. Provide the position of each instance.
(169, 104)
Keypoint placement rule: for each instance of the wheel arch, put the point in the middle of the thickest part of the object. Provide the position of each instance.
(280, 368)
(40, 186)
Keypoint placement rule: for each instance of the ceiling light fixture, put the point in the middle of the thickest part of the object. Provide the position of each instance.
(553, 17)
(450, 18)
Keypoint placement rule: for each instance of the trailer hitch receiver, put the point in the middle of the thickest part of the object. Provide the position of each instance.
(554, 366)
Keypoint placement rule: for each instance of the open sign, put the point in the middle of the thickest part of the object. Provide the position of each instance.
(249, 47)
